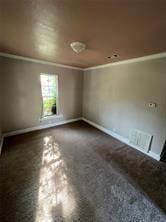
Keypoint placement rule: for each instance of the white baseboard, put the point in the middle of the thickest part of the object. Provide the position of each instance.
(17, 132)
(121, 138)
(154, 155)
(109, 132)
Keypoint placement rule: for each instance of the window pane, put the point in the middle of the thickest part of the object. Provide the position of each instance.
(48, 103)
(48, 88)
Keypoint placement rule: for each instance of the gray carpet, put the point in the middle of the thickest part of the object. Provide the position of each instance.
(76, 173)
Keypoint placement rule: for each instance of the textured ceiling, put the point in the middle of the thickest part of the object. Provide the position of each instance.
(43, 29)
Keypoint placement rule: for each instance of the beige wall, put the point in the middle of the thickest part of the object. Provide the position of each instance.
(21, 93)
(0, 109)
(117, 98)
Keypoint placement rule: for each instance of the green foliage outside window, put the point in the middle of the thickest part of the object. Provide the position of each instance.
(48, 86)
(47, 106)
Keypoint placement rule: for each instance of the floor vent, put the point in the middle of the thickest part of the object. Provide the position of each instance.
(140, 139)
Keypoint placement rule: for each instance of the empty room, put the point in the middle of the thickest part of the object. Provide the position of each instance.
(82, 111)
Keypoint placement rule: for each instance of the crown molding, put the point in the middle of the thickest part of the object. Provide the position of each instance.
(38, 61)
(139, 59)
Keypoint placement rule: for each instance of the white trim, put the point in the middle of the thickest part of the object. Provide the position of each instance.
(42, 119)
(38, 61)
(154, 155)
(121, 138)
(17, 132)
(109, 132)
(57, 95)
(139, 59)
(1, 143)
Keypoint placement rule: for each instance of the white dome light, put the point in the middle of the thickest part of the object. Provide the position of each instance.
(78, 46)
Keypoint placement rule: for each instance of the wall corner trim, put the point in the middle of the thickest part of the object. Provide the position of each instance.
(121, 138)
(12, 56)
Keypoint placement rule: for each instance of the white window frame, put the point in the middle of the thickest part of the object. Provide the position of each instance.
(57, 98)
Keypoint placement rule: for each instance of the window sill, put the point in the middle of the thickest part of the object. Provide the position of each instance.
(51, 117)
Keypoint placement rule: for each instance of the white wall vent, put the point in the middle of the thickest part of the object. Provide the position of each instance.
(140, 139)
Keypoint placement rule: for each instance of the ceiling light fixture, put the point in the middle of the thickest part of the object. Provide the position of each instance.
(78, 46)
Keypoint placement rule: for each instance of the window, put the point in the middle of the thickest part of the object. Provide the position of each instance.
(49, 89)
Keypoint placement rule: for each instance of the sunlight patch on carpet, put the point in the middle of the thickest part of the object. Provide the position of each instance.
(55, 196)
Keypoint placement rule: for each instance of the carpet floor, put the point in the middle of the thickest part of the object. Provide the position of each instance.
(76, 173)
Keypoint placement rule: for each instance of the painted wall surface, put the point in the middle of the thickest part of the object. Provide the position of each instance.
(117, 98)
(21, 93)
(0, 107)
